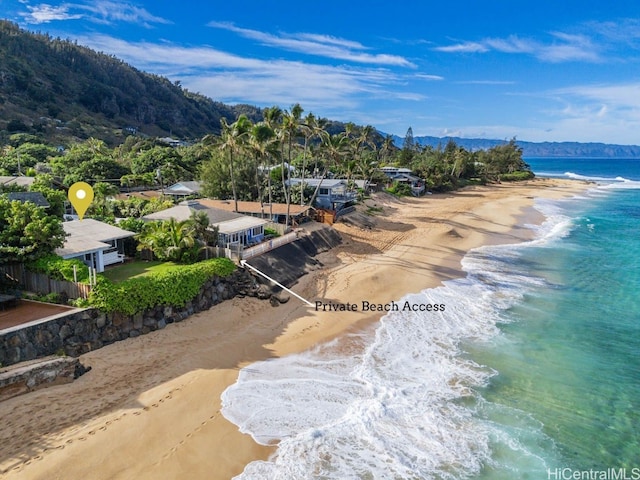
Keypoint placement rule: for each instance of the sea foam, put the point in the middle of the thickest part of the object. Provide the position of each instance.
(400, 401)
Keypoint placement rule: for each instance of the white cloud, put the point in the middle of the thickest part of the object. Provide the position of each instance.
(465, 47)
(318, 45)
(99, 11)
(564, 47)
(45, 13)
(425, 76)
(231, 78)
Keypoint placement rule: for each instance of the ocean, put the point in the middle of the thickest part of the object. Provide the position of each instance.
(531, 372)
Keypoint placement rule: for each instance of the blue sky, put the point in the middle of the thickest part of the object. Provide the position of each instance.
(540, 71)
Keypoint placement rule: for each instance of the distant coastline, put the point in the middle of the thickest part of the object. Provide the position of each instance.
(535, 149)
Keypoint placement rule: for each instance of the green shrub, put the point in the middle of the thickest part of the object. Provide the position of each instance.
(174, 287)
(516, 176)
(271, 231)
(400, 189)
(60, 269)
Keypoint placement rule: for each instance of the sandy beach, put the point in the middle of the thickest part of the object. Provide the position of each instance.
(150, 406)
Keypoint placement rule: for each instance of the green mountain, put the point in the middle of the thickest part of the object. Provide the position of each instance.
(534, 149)
(64, 91)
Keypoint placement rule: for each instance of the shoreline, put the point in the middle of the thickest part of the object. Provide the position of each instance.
(131, 419)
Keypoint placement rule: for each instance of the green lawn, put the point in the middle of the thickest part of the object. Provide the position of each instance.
(137, 268)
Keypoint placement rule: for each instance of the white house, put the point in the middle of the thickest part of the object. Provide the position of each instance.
(405, 175)
(332, 192)
(233, 228)
(97, 244)
(184, 189)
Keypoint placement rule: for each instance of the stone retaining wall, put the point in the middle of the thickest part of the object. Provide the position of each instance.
(90, 329)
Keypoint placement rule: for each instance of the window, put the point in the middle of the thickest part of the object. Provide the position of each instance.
(323, 191)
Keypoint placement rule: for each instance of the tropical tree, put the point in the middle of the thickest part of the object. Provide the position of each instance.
(27, 232)
(232, 141)
(170, 240)
(334, 148)
(290, 131)
(102, 191)
(263, 144)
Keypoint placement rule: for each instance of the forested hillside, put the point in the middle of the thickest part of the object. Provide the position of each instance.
(63, 91)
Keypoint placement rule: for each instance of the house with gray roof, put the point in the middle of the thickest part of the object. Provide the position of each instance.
(33, 197)
(96, 243)
(233, 228)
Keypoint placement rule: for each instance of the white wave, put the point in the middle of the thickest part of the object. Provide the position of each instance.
(607, 182)
(398, 403)
(577, 176)
(622, 183)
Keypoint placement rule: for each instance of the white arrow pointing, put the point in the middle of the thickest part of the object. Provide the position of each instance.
(245, 264)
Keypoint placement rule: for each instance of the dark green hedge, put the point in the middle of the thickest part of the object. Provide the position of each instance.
(174, 287)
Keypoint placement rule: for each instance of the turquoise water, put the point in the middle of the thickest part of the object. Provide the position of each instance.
(534, 367)
(568, 357)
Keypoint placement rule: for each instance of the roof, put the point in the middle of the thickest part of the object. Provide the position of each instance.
(183, 211)
(227, 221)
(240, 224)
(183, 188)
(22, 181)
(144, 195)
(325, 182)
(33, 197)
(254, 208)
(89, 235)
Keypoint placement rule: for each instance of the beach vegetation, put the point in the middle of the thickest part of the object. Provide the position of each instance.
(516, 176)
(172, 287)
(399, 189)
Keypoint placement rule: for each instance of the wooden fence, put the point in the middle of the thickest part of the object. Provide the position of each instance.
(42, 285)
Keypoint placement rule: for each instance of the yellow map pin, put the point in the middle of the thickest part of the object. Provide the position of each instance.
(80, 196)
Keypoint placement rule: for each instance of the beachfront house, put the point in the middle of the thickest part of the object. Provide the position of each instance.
(276, 212)
(96, 243)
(333, 193)
(405, 175)
(233, 228)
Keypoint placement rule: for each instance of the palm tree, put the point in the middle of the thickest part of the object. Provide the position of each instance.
(334, 147)
(290, 131)
(388, 146)
(101, 191)
(273, 119)
(152, 238)
(180, 236)
(262, 142)
(232, 140)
